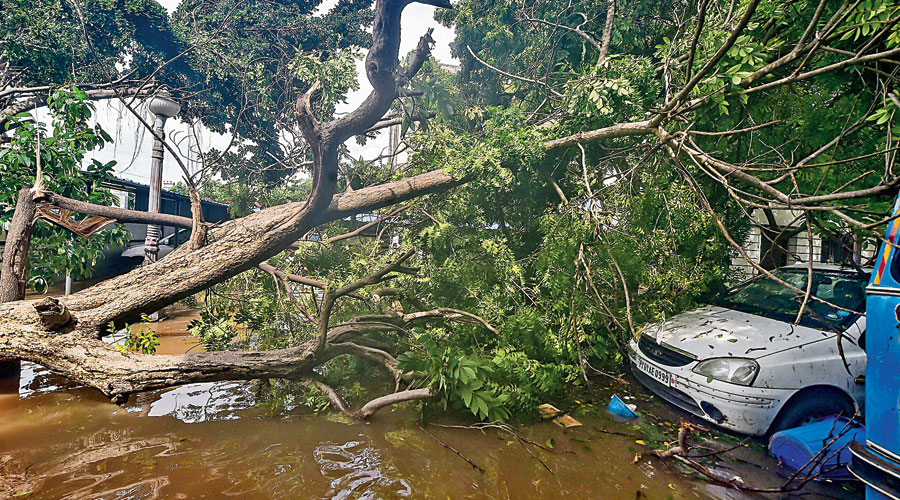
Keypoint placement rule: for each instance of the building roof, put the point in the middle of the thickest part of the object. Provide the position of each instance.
(131, 186)
(823, 266)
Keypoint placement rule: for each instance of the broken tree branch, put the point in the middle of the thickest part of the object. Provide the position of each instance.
(376, 404)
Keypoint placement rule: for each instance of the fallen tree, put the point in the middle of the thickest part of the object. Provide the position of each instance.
(698, 75)
(65, 333)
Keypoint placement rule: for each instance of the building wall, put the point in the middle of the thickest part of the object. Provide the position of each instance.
(752, 246)
(797, 246)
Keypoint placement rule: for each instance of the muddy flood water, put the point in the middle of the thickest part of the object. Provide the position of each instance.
(211, 440)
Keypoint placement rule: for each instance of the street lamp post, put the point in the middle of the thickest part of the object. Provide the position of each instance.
(162, 107)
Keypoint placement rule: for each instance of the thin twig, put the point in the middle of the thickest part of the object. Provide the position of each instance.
(454, 450)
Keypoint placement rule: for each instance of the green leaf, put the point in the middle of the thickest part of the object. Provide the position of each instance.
(466, 394)
(479, 408)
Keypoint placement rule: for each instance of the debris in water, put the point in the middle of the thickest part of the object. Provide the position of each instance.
(564, 421)
(617, 406)
(820, 448)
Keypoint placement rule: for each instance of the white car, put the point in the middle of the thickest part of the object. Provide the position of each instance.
(744, 365)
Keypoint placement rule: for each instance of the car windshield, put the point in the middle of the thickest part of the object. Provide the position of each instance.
(765, 297)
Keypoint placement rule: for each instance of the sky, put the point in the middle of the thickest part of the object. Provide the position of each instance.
(132, 143)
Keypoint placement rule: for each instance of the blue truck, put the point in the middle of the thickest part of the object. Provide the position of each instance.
(877, 462)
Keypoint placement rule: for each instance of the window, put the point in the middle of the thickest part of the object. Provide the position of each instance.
(838, 250)
(767, 298)
(773, 247)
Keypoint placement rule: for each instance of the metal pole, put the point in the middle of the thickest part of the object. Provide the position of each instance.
(69, 271)
(151, 242)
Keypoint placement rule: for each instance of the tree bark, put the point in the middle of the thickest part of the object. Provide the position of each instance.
(69, 343)
(233, 247)
(619, 130)
(13, 276)
(14, 269)
(398, 397)
(119, 214)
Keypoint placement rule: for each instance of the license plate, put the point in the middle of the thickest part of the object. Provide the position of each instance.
(653, 371)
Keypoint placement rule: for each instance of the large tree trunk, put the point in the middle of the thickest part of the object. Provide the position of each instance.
(14, 276)
(14, 269)
(63, 333)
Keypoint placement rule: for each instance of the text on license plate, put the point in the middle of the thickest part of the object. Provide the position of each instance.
(657, 374)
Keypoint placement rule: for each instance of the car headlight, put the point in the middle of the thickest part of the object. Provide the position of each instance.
(738, 371)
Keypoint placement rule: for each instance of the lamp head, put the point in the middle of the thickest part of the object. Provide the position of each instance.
(163, 105)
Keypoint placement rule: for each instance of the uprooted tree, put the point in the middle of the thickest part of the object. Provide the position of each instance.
(64, 333)
(756, 105)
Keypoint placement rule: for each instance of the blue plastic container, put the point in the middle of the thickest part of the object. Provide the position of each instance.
(796, 447)
(619, 407)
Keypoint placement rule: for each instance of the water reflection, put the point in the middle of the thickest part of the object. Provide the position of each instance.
(210, 440)
(357, 471)
(190, 403)
(80, 468)
(199, 402)
(36, 379)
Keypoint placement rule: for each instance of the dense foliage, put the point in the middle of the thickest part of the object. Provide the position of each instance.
(237, 66)
(547, 260)
(63, 143)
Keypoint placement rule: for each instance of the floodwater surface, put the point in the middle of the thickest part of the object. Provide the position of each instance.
(212, 440)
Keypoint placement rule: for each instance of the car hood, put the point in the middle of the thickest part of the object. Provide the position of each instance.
(714, 331)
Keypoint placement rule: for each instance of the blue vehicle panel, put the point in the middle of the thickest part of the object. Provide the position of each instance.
(878, 462)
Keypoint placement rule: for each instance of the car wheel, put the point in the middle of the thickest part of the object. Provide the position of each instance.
(806, 408)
